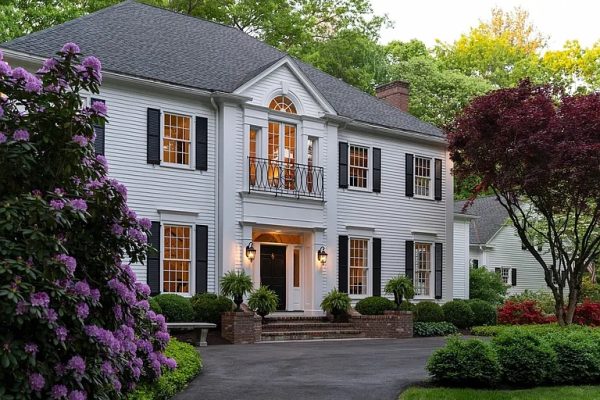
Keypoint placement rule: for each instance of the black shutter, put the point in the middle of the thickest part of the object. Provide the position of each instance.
(153, 262)
(376, 170)
(438, 179)
(343, 165)
(99, 131)
(153, 145)
(514, 277)
(343, 264)
(201, 258)
(475, 263)
(410, 168)
(409, 271)
(498, 271)
(376, 267)
(201, 143)
(439, 258)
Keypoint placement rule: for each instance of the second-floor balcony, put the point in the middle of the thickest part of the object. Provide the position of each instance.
(285, 178)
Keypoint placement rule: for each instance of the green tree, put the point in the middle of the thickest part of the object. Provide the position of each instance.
(486, 285)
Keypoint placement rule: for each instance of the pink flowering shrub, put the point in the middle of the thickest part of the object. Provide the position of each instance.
(74, 323)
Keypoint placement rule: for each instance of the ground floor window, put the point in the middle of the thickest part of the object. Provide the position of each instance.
(177, 258)
(423, 269)
(359, 266)
(505, 273)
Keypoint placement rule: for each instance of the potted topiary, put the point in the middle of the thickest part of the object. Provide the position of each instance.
(401, 287)
(337, 304)
(236, 285)
(263, 301)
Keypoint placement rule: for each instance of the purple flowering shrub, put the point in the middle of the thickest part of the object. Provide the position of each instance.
(74, 323)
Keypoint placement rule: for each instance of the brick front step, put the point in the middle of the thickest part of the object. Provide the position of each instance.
(304, 326)
(270, 336)
(294, 318)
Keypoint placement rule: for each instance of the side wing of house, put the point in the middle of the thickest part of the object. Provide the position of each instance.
(461, 258)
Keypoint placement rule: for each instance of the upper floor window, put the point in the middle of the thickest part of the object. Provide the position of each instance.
(423, 176)
(177, 139)
(359, 166)
(283, 103)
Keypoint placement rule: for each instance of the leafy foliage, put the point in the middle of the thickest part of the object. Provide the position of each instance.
(458, 313)
(263, 301)
(587, 313)
(536, 330)
(543, 299)
(73, 320)
(427, 311)
(523, 313)
(189, 365)
(426, 329)
(336, 303)
(486, 285)
(175, 308)
(465, 362)
(236, 284)
(401, 287)
(374, 305)
(589, 289)
(483, 312)
(209, 306)
(154, 306)
(407, 306)
(526, 359)
(578, 357)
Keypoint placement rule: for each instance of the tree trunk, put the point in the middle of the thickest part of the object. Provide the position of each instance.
(570, 311)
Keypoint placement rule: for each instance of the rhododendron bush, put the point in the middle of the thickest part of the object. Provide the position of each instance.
(74, 323)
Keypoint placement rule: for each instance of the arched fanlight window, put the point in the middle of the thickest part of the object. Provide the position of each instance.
(283, 103)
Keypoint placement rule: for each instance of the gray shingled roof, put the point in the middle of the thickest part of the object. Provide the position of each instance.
(145, 41)
(491, 218)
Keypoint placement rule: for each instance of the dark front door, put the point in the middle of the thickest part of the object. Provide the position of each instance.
(272, 271)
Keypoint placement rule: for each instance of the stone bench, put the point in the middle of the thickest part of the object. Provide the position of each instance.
(201, 327)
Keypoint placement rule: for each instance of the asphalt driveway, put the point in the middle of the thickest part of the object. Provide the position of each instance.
(332, 370)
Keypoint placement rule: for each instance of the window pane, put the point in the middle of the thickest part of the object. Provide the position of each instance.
(176, 139)
(359, 166)
(359, 265)
(283, 103)
(422, 176)
(296, 267)
(176, 258)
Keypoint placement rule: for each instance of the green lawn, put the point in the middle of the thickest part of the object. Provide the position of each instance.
(545, 393)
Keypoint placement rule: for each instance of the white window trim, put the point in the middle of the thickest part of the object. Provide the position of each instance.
(431, 177)
(192, 274)
(508, 276)
(192, 117)
(431, 295)
(368, 188)
(369, 266)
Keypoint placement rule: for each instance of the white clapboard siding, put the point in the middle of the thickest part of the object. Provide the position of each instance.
(461, 259)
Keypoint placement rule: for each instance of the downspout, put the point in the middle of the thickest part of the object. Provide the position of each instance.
(218, 247)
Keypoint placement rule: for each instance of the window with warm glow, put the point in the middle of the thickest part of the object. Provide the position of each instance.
(177, 258)
(177, 139)
(422, 177)
(283, 103)
(359, 166)
(359, 266)
(423, 267)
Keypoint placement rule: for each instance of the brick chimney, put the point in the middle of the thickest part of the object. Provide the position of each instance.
(396, 93)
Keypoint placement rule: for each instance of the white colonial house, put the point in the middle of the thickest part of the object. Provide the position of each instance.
(246, 158)
(486, 238)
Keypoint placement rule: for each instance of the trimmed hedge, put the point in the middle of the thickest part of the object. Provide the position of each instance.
(425, 329)
(407, 306)
(458, 313)
(465, 361)
(375, 305)
(577, 356)
(175, 308)
(539, 330)
(209, 306)
(189, 365)
(427, 311)
(483, 312)
(154, 306)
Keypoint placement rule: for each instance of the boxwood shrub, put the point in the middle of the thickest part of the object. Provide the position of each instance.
(458, 313)
(209, 306)
(425, 329)
(484, 313)
(375, 305)
(526, 359)
(154, 306)
(577, 356)
(465, 362)
(171, 382)
(427, 311)
(175, 308)
(407, 306)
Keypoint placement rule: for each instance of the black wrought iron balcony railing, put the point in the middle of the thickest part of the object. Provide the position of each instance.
(285, 178)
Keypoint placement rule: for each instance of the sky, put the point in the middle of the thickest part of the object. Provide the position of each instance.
(428, 20)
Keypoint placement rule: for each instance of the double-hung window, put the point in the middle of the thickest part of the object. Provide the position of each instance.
(177, 139)
(423, 177)
(358, 166)
(177, 258)
(505, 274)
(359, 266)
(423, 269)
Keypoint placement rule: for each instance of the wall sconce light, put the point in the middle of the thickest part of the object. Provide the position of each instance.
(322, 255)
(250, 251)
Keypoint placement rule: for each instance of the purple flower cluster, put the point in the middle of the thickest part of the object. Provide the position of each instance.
(21, 135)
(102, 160)
(81, 288)
(78, 204)
(2, 138)
(80, 140)
(137, 235)
(69, 262)
(70, 48)
(82, 310)
(36, 382)
(145, 223)
(99, 108)
(59, 392)
(39, 299)
(117, 229)
(5, 69)
(57, 204)
(77, 395)
(31, 348)
(61, 333)
(77, 365)
(32, 83)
